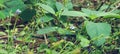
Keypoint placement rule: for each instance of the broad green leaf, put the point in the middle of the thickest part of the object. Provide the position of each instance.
(14, 5)
(46, 19)
(59, 6)
(91, 14)
(46, 30)
(84, 41)
(73, 13)
(100, 30)
(47, 8)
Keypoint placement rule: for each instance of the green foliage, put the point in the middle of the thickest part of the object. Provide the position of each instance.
(47, 8)
(28, 14)
(2, 3)
(64, 31)
(2, 33)
(2, 16)
(51, 3)
(96, 14)
(12, 5)
(46, 30)
(84, 42)
(2, 51)
(73, 13)
(68, 4)
(46, 19)
(66, 28)
(98, 32)
(59, 6)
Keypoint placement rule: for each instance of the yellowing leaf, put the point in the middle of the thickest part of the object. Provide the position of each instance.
(30, 52)
(2, 33)
(76, 51)
(56, 44)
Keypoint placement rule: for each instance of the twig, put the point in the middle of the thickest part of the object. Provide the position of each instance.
(103, 1)
(45, 35)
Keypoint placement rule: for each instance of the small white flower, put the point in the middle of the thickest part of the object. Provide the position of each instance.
(14, 37)
(18, 11)
(72, 27)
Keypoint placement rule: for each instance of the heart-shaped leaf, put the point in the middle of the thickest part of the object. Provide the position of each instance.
(98, 31)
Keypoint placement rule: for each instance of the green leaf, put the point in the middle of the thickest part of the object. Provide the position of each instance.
(12, 6)
(69, 4)
(116, 11)
(104, 7)
(46, 30)
(2, 3)
(73, 13)
(47, 8)
(46, 19)
(2, 33)
(59, 6)
(2, 51)
(109, 15)
(64, 31)
(51, 3)
(49, 51)
(98, 31)
(91, 14)
(2, 16)
(95, 14)
(84, 41)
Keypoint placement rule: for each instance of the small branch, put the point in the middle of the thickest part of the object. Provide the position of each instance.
(103, 1)
(108, 7)
(44, 35)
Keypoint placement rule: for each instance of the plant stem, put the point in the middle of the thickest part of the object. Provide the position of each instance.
(44, 35)
(103, 1)
(63, 48)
